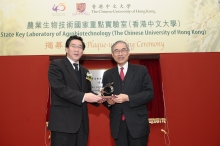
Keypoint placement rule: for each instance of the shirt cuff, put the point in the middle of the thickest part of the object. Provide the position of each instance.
(83, 98)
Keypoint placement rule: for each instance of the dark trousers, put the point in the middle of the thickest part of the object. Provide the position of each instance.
(125, 139)
(69, 139)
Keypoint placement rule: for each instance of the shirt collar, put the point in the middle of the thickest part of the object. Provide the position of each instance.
(73, 62)
(125, 66)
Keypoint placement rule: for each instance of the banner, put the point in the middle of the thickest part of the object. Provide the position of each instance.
(37, 27)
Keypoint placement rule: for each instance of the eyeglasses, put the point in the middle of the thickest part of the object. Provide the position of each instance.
(123, 51)
(79, 47)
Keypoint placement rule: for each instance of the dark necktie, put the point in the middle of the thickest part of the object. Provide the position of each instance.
(78, 73)
(76, 66)
(122, 78)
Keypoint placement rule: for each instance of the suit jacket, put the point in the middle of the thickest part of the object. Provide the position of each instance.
(138, 86)
(67, 111)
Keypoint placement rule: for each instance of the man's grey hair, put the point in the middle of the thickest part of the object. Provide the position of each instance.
(120, 41)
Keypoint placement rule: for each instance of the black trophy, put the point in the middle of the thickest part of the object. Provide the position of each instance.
(107, 90)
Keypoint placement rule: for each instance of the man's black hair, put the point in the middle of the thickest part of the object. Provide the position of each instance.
(75, 37)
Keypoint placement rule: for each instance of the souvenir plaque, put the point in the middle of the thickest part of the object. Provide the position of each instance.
(107, 91)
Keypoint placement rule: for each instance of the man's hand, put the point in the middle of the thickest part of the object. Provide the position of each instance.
(90, 97)
(110, 101)
(120, 98)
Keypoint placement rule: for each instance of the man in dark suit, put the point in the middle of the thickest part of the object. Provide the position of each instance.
(132, 91)
(71, 90)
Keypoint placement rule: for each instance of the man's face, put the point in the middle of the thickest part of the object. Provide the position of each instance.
(75, 50)
(120, 53)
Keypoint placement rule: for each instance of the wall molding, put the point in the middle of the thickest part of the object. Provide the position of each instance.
(109, 56)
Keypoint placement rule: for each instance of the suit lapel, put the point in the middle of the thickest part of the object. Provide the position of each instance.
(69, 67)
(129, 76)
(83, 76)
(115, 77)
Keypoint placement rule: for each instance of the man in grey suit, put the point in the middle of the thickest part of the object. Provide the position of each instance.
(71, 90)
(132, 91)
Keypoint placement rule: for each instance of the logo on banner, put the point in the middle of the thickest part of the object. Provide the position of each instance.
(59, 9)
(80, 9)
